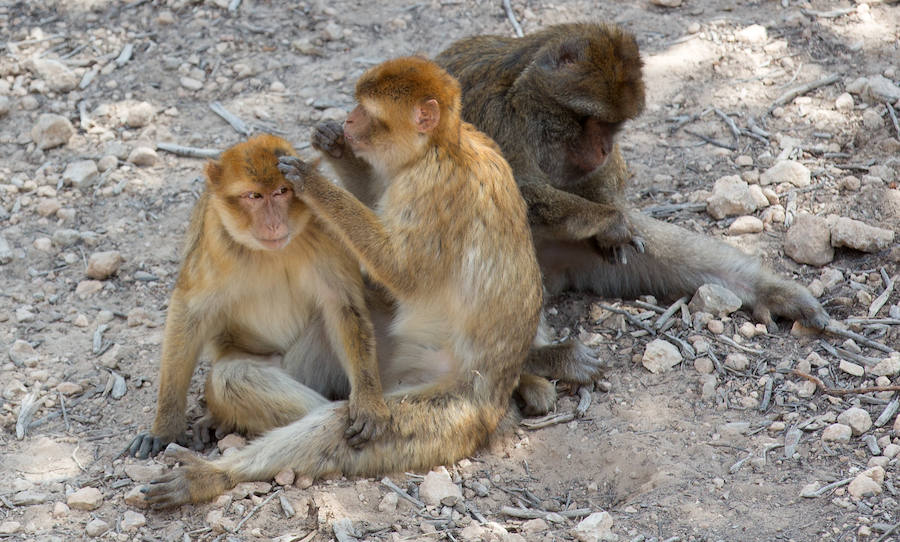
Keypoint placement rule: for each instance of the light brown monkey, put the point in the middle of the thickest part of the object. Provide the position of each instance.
(554, 101)
(450, 242)
(276, 299)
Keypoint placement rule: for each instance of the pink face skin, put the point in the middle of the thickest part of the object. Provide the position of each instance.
(357, 129)
(269, 216)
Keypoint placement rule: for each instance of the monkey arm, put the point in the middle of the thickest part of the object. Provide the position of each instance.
(356, 176)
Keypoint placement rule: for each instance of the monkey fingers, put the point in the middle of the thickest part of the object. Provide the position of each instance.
(328, 137)
(788, 299)
(296, 171)
(367, 421)
(145, 445)
(196, 480)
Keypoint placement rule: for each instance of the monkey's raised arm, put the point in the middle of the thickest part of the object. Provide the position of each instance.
(356, 175)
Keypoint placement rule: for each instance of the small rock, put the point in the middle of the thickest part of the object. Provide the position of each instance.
(743, 161)
(438, 485)
(102, 265)
(597, 527)
(140, 316)
(9, 527)
(22, 353)
(139, 115)
(708, 387)
(897, 425)
(28, 497)
(81, 174)
(754, 33)
(809, 490)
(131, 520)
(144, 473)
(143, 157)
(66, 237)
(61, 509)
(890, 451)
(48, 206)
(666, 3)
(135, 498)
(704, 365)
(51, 131)
(846, 232)
(285, 477)
(191, 83)
(87, 288)
(232, 440)
(737, 361)
(4, 105)
(58, 76)
(851, 368)
(218, 522)
(809, 240)
(882, 89)
(858, 419)
(660, 356)
(69, 388)
(534, 526)
(6, 254)
(303, 482)
(745, 224)
(837, 432)
(717, 327)
(849, 183)
(714, 299)
(844, 102)
(731, 196)
(86, 498)
(747, 330)
(872, 120)
(888, 366)
(388, 503)
(787, 171)
(867, 483)
(96, 527)
(107, 162)
(759, 196)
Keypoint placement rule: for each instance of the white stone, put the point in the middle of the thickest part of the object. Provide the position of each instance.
(837, 432)
(846, 232)
(888, 366)
(759, 196)
(388, 503)
(844, 102)
(746, 224)
(143, 157)
(51, 131)
(851, 368)
(787, 171)
(666, 3)
(144, 473)
(58, 76)
(81, 174)
(139, 115)
(867, 483)
(132, 521)
(731, 196)
(86, 498)
(754, 33)
(595, 528)
(704, 365)
(10, 527)
(660, 356)
(191, 83)
(858, 419)
(809, 240)
(737, 361)
(438, 486)
(102, 265)
(714, 299)
(96, 527)
(882, 89)
(22, 353)
(872, 120)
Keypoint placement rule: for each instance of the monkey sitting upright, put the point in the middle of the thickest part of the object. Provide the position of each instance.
(554, 101)
(276, 299)
(450, 242)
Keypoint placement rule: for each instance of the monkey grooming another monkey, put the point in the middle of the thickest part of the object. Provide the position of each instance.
(554, 101)
(278, 302)
(449, 240)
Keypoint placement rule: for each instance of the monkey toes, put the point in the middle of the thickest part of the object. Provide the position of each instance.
(367, 421)
(146, 445)
(328, 137)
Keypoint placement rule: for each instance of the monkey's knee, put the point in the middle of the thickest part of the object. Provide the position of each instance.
(536, 394)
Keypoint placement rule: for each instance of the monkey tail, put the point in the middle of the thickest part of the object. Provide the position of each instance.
(426, 429)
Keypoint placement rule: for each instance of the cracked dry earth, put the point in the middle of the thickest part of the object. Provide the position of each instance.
(726, 444)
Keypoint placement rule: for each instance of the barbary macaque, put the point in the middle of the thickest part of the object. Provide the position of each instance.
(448, 239)
(554, 101)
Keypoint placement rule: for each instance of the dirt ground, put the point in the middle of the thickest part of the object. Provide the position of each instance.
(679, 455)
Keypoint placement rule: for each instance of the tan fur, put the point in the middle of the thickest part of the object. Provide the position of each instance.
(270, 317)
(450, 243)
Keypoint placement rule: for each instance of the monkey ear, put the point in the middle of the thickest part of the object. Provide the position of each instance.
(213, 173)
(428, 113)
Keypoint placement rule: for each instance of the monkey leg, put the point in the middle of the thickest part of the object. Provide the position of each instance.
(427, 428)
(675, 263)
(251, 394)
(537, 394)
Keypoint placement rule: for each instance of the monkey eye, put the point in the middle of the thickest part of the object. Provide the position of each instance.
(281, 191)
(251, 195)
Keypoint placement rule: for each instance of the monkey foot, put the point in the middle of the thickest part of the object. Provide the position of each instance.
(197, 480)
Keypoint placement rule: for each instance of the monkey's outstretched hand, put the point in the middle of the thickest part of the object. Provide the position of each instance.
(296, 171)
(328, 137)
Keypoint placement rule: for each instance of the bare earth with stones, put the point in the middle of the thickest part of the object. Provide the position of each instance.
(719, 441)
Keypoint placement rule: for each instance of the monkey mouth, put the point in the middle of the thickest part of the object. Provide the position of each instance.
(274, 244)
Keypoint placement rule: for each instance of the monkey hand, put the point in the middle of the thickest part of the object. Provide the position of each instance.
(197, 480)
(148, 445)
(616, 240)
(368, 418)
(296, 171)
(328, 138)
(788, 299)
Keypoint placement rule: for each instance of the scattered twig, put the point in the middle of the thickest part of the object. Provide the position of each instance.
(735, 131)
(827, 14)
(673, 308)
(232, 119)
(710, 140)
(75, 458)
(798, 90)
(62, 407)
(767, 395)
(893, 115)
(254, 510)
(847, 334)
(686, 349)
(889, 532)
(526, 513)
(393, 487)
(730, 342)
(888, 412)
(125, 55)
(841, 391)
(628, 316)
(879, 301)
(98, 338)
(30, 404)
(833, 485)
(512, 18)
(672, 208)
(847, 355)
(791, 441)
(864, 321)
(190, 152)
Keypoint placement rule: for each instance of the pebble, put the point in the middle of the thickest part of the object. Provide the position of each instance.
(716, 326)
(747, 330)
(51, 130)
(730, 196)
(191, 83)
(714, 299)
(888, 366)
(135, 498)
(232, 440)
(132, 521)
(746, 224)
(867, 483)
(144, 473)
(858, 419)
(437, 486)
(285, 477)
(96, 527)
(218, 522)
(809, 490)
(666, 3)
(24, 314)
(388, 503)
(81, 173)
(140, 316)
(22, 353)
(69, 388)
(139, 115)
(660, 356)
(4, 105)
(880, 88)
(743, 161)
(809, 240)
(86, 498)
(533, 526)
(107, 163)
(143, 157)
(837, 432)
(6, 254)
(773, 215)
(58, 76)
(851, 368)
(737, 361)
(29, 497)
(787, 171)
(844, 102)
(846, 232)
(303, 482)
(891, 451)
(708, 387)
(102, 265)
(48, 206)
(704, 365)
(66, 237)
(754, 33)
(872, 120)
(87, 288)
(597, 527)
(759, 196)
(61, 509)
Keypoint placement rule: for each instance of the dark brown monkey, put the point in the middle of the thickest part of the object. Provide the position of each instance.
(554, 101)
(450, 242)
(276, 299)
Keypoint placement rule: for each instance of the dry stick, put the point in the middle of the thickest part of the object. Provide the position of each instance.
(62, 407)
(232, 119)
(672, 208)
(512, 18)
(527, 513)
(190, 152)
(254, 510)
(710, 140)
(847, 334)
(847, 355)
(864, 321)
(29, 406)
(673, 308)
(767, 395)
(893, 115)
(840, 391)
(125, 55)
(793, 92)
(628, 316)
(882, 299)
(733, 344)
(888, 412)
(833, 485)
(888, 533)
(828, 14)
(393, 487)
(735, 131)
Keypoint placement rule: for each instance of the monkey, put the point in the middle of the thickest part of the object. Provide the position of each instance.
(449, 240)
(554, 101)
(276, 299)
